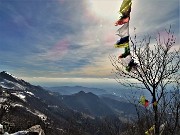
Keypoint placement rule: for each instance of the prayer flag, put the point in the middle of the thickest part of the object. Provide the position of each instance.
(125, 8)
(123, 42)
(122, 21)
(124, 30)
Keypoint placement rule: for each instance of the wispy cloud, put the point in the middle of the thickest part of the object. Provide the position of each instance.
(72, 38)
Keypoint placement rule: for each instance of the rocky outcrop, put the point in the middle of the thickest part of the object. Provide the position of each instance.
(35, 130)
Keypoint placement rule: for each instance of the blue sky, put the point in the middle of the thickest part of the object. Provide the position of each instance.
(70, 40)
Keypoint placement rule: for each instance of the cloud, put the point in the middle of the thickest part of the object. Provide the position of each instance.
(73, 39)
(56, 51)
(152, 16)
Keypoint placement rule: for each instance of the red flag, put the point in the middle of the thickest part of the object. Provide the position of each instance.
(122, 21)
(146, 103)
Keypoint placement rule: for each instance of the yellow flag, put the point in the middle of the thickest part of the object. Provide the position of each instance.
(142, 100)
(121, 45)
(125, 8)
(150, 131)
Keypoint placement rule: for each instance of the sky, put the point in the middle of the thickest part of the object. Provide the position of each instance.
(68, 41)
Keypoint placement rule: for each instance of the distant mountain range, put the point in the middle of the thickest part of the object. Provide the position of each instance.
(87, 103)
(69, 90)
(94, 105)
(83, 113)
(120, 94)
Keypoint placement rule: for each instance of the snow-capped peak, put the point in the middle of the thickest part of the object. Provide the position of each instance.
(10, 81)
(5, 72)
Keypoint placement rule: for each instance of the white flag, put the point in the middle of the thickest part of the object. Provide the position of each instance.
(124, 30)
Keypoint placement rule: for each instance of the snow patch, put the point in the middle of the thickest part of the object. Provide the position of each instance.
(17, 133)
(39, 114)
(30, 93)
(16, 104)
(11, 85)
(4, 86)
(2, 100)
(11, 75)
(52, 106)
(20, 95)
(60, 129)
(50, 93)
(1, 126)
(87, 116)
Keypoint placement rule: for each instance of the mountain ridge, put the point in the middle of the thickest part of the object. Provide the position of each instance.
(68, 90)
(24, 105)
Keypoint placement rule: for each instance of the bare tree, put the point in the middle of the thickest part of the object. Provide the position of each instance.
(170, 109)
(158, 67)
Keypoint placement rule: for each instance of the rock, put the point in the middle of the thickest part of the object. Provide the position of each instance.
(35, 130)
(1, 129)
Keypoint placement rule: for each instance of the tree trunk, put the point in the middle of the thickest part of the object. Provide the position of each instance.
(156, 117)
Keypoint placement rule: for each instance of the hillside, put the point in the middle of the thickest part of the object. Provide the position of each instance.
(24, 105)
